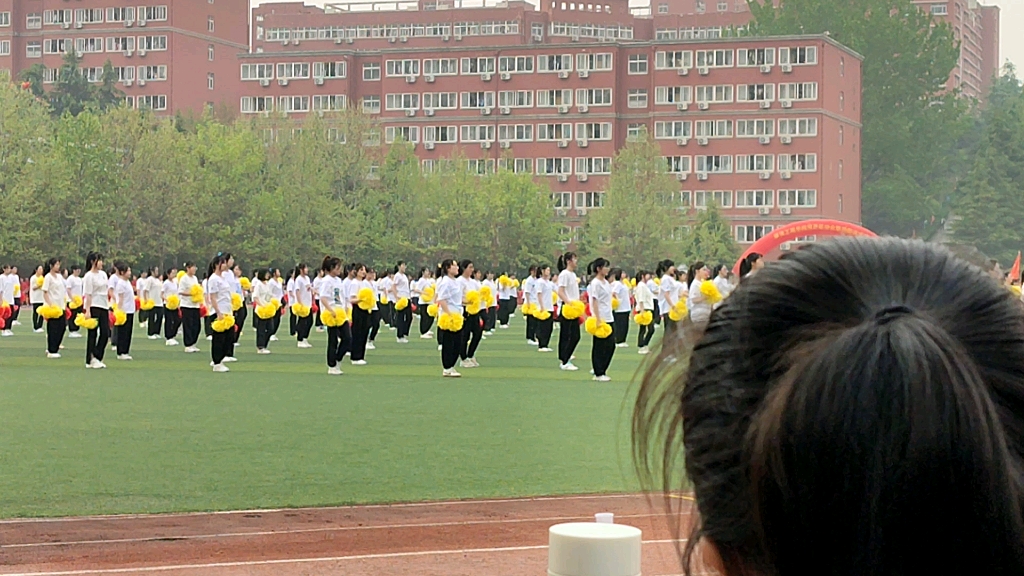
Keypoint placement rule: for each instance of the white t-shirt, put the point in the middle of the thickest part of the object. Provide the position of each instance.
(169, 287)
(621, 291)
(567, 281)
(419, 286)
(449, 291)
(275, 285)
(56, 289)
(666, 289)
(318, 282)
(643, 296)
(185, 291)
(700, 309)
(402, 285)
(385, 286)
(545, 290)
(467, 285)
(155, 290)
(303, 291)
(600, 292)
(290, 289)
(35, 295)
(724, 287)
(94, 285)
(124, 296)
(346, 292)
(7, 284)
(529, 293)
(332, 292)
(219, 293)
(74, 284)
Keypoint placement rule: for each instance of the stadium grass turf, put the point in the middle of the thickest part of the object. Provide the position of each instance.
(165, 434)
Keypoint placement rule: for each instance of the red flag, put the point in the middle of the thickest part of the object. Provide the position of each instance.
(1015, 270)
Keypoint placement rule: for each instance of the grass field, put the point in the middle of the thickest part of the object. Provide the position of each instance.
(163, 433)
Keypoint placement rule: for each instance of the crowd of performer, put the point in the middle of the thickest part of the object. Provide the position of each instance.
(351, 301)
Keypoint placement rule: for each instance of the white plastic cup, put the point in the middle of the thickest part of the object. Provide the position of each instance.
(604, 518)
(593, 549)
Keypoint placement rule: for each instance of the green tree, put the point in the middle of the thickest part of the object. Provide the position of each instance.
(107, 95)
(710, 239)
(25, 138)
(72, 92)
(520, 221)
(34, 75)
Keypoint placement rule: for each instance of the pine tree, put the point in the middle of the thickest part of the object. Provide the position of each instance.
(710, 239)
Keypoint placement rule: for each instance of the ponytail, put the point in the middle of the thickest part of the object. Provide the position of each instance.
(747, 264)
(598, 263)
(91, 259)
(329, 263)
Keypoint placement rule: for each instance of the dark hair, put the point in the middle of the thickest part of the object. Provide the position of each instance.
(615, 273)
(663, 267)
(153, 271)
(299, 268)
(445, 265)
(75, 267)
(639, 276)
(188, 264)
(356, 266)
(747, 264)
(263, 274)
(564, 259)
(92, 258)
(49, 264)
(400, 262)
(827, 413)
(464, 265)
(217, 261)
(330, 263)
(121, 266)
(691, 273)
(598, 263)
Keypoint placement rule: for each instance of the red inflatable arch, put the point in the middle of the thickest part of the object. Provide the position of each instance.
(798, 229)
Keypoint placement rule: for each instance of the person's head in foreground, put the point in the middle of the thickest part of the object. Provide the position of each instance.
(856, 409)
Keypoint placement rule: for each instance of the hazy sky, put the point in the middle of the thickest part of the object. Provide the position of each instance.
(1012, 46)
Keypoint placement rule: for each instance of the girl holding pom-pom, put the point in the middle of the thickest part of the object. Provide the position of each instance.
(219, 295)
(188, 288)
(667, 293)
(600, 295)
(569, 328)
(277, 286)
(375, 314)
(544, 318)
(332, 307)
(448, 297)
(362, 308)
(153, 293)
(425, 289)
(124, 295)
(74, 284)
(529, 305)
(621, 306)
(172, 306)
(35, 298)
(55, 292)
(262, 298)
(300, 293)
(400, 289)
(644, 305)
(472, 329)
(698, 303)
(95, 306)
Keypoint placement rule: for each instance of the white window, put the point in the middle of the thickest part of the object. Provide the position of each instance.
(554, 98)
(515, 132)
(477, 133)
(153, 73)
(600, 165)
(51, 75)
(152, 13)
(798, 198)
(477, 100)
(554, 132)
(752, 233)
(673, 60)
(480, 166)
(723, 6)
(670, 130)
(590, 200)
(154, 102)
(637, 98)
(517, 165)
(441, 66)
(329, 102)
(57, 46)
(330, 70)
(5, 47)
(88, 45)
(594, 62)
(256, 104)
(666, 33)
(34, 21)
(405, 133)
(5, 19)
(293, 70)
(125, 73)
(939, 10)
(515, 64)
(279, 34)
(594, 96)
(371, 104)
(634, 130)
(554, 63)
(120, 14)
(754, 128)
(293, 104)
(33, 49)
(409, 101)
(87, 15)
(755, 198)
(755, 92)
(552, 166)
(402, 68)
(120, 43)
(516, 98)
(755, 163)
(703, 198)
(662, 8)
(747, 57)
(56, 17)
(562, 199)
(257, 71)
(714, 164)
(673, 94)
(371, 71)
(798, 56)
(441, 134)
(714, 128)
(714, 58)
(798, 91)
(152, 43)
(798, 127)
(720, 93)
(481, 65)
(594, 131)
(638, 63)
(677, 164)
(798, 162)
(441, 100)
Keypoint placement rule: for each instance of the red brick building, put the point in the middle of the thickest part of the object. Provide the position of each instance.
(170, 54)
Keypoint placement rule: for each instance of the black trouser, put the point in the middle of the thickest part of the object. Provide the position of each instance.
(360, 332)
(670, 325)
(621, 326)
(503, 311)
(387, 314)
(544, 329)
(37, 320)
(275, 323)
(72, 327)
(156, 319)
(172, 320)
(472, 332)
(403, 321)
(656, 313)
(124, 335)
(317, 321)
(374, 324)
(489, 318)
(601, 355)
(302, 326)
(55, 333)
(451, 345)
(190, 326)
(143, 315)
(568, 338)
(263, 331)
(240, 315)
(16, 309)
(223, 345)
(336, 344)
(646, 333)
(97, 338)
(293, 324)
(531, 328)
(208, 324)
(426, 320)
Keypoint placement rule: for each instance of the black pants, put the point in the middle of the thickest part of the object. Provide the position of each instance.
(190, 326)
(531, 328)
(303, 326)
(124, 335)
(240, 316)
(472, 332)
(275, 323)
(156, 319)
(403, 321)
(426, 320)
(670, 325)
(601, 355)
(656, 313)
(544, 329)
(451, 346)
(208, 324)
(293, 324)
(172, 321)
(263, 331)
(360, 333)
(97, 338)
(37, 320)
(503, 311)
(338, 341)
(374, 324)
(143, 316)
(387, 313)
(16, 309)
(568, 338)
(490, 318)
(621, 326)
(55, 328)
(72, 327)
(646, 333)
(223, 345)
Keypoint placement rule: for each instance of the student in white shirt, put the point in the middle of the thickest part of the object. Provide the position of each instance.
(504, 297)
(172, 318)
(426, 320)
(220, 301)
(151, 291)
(644, 301)
(529, 295)
(242, 314)
(568, 291)
(190, 320)
(141, 288)
(375, 313)
(95, 305)
(667, 292)
(722, 283)
(74, 284)
(316, 298)
(55, 293)
(700, 308)
(360, 317)
(600, 294)
(472, 330)
(301, 292)
(655, 290)
(262, 294)
(332, 296)
(277, 286)
(14, 281)
(448, 298)
(491, 320)
(35, 298)
(124, 295)
(544, 291)
(400, 289)
(7, 297)
(620, 291)
(388, 310)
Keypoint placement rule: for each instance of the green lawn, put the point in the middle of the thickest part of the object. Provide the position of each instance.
(163, 433)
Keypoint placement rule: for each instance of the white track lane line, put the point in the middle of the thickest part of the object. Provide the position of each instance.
(168, 568)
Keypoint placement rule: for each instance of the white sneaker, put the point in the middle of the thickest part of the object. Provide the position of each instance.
(348, 354)
(504, 326)
(602, 378)
(7, 333)
(511, 316)
(221, 368)
(61, 347)
(643, 351)
(304, 344)
(370, 346)
(622, 345)
(75, 335)
(426, 336)
(144, 325)
(334, 371)
(483, 336)
(319, 328)
(545, 350)
(52, 356)
(453, 374)
(209, 338)
(475, 363)
(123, 357)
(191, 350)
(263, 351)
(440, 347)
(532, 343)
(392, 328)
(15, 323)
(569, 367)
(273, 338)
(97, 364)
(403, 340)
(171, 342)
(359, 362)
(154, 336)
(38, 331)
(229, 359)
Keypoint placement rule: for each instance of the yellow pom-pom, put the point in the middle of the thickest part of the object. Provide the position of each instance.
(120, 317)
(644, 318)
(554, 298)
(632, 282)
(365, 299)
(432, 310)
(657, 281)
(334, 319)
(383, 298)
(236, 301)
(541, 315)
(38, 283)
(472, 301)
(598, 329)
(451, 322)
(76, 302)
(223, 325)
(196, 293)
(615, 303)
(246, 283)
(402, 304)
(485, 295)
(1015, 290)
(266, 311)
(504, 281)
(88, 323)
(515, 283)
(678, 312)
(173, 302)
(428, 294)
(573, 310)
(710, 292)
(50, 311)
(146, 304)
(180, 274)
(300, 310)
